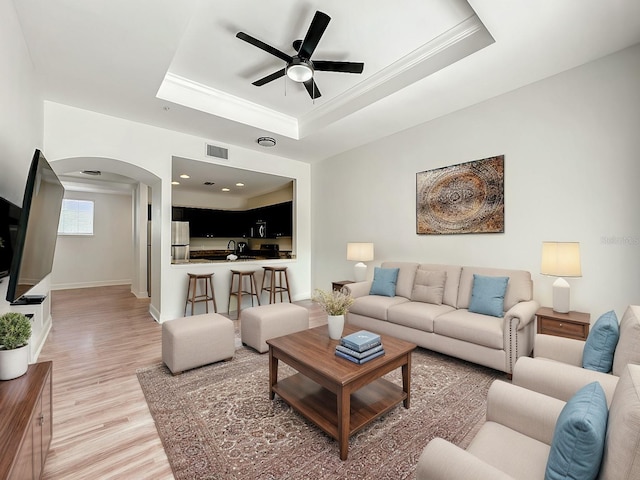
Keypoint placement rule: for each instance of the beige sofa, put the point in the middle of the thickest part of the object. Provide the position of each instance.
(514, 442)
(449, 327)
(556, 369)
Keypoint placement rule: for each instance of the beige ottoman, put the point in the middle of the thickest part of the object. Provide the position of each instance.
(195, 341)
(259, 324)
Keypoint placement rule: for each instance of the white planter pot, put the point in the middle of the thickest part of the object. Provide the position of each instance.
(14, 363)
(336, 325)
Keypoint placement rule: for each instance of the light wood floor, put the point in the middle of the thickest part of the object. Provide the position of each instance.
(102, 427)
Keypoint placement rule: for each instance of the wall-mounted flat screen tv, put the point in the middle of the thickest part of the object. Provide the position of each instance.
(37, 230)
(9, 219)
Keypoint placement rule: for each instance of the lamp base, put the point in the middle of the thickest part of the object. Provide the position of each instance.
(561, 294)
(360, 272)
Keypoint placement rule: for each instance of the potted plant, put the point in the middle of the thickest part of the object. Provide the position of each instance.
(15, 331)
(336, 303)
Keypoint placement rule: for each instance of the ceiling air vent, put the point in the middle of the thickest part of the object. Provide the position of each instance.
(217, 152)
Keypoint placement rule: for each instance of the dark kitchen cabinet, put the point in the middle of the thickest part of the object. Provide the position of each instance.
(177, 214)
(280, 219)
(206, 222)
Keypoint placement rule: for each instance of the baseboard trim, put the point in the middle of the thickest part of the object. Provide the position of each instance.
(106, 283)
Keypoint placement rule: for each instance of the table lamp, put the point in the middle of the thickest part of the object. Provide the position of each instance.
(561, 259)
(360, 252)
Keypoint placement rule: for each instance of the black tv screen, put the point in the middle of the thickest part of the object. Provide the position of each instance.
(9, 219)
(37, 229)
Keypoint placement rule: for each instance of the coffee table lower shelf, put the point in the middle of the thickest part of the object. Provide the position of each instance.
(319, 405)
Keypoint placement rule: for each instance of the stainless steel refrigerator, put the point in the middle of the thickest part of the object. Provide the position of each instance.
(179, 242)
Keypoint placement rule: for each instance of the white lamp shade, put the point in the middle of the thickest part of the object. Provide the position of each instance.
(561, 259)
(360, 252)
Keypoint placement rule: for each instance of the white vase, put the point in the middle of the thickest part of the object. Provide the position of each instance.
(336, 324)
(14, 363)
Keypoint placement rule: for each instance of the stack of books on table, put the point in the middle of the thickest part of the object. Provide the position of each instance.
(360, 347)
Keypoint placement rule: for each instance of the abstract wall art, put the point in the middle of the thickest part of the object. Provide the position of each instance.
(463, 198)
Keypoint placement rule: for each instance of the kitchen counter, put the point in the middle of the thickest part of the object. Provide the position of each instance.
(216, 256)
(255, 259)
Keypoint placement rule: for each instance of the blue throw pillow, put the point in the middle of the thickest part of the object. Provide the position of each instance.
(487, 295)
(577, 446)
(384, 282)
(601, 343)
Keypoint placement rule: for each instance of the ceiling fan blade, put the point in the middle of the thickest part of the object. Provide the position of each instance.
(316, 29)
(269, 78)
(312, 88)
(347, 67)
(267, 48)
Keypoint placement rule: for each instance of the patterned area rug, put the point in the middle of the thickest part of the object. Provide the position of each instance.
(217, 422)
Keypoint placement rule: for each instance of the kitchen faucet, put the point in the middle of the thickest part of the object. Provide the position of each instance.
(234, 245)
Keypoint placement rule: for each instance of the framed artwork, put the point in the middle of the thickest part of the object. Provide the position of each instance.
(463, 198)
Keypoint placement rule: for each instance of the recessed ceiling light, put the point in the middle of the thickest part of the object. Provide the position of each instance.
(184, 175)
(266, 141)
(239, 184)
(225, 189)
(175, 183)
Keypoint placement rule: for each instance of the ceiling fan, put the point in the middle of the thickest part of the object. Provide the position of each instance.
(300, 68)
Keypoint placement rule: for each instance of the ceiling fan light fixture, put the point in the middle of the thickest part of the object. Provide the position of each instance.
(300, 70)
(266, 141)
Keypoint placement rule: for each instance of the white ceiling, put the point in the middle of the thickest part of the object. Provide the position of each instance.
(220, 176)
(118, 56)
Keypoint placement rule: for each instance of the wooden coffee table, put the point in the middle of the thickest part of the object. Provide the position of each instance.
(338, 396)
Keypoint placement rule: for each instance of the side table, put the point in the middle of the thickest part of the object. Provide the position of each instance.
(569, 325)
(338, 285)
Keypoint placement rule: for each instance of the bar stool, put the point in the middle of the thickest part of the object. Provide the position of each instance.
(193, 297)
(276, 283)
(238, 292)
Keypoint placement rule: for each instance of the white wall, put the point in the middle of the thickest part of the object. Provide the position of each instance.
(572, 171)
(21, 122)
(106, 257)
(72, 134)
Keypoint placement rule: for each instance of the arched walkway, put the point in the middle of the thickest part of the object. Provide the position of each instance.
(143, 259)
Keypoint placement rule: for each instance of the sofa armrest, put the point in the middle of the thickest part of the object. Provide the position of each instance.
(441, 460)
(359, 289)
(559, 380)
(560, 349)
(528, 412)
(525, 312)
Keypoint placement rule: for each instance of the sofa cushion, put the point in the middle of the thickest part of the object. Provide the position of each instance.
(621, 452)
(451, 284)
(578, 439)
(375, 306)
(418, 315)
(601, 343)
(429, 286)
(384, 282)
(406, 275)
(510, 451)
(471, 327)
(628, 348)
(519, 289)
(487, 295)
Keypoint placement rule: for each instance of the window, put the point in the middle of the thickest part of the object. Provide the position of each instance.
(76, 217)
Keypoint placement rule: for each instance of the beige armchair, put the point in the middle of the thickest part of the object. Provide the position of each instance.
(556, 369)
(514, 442)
